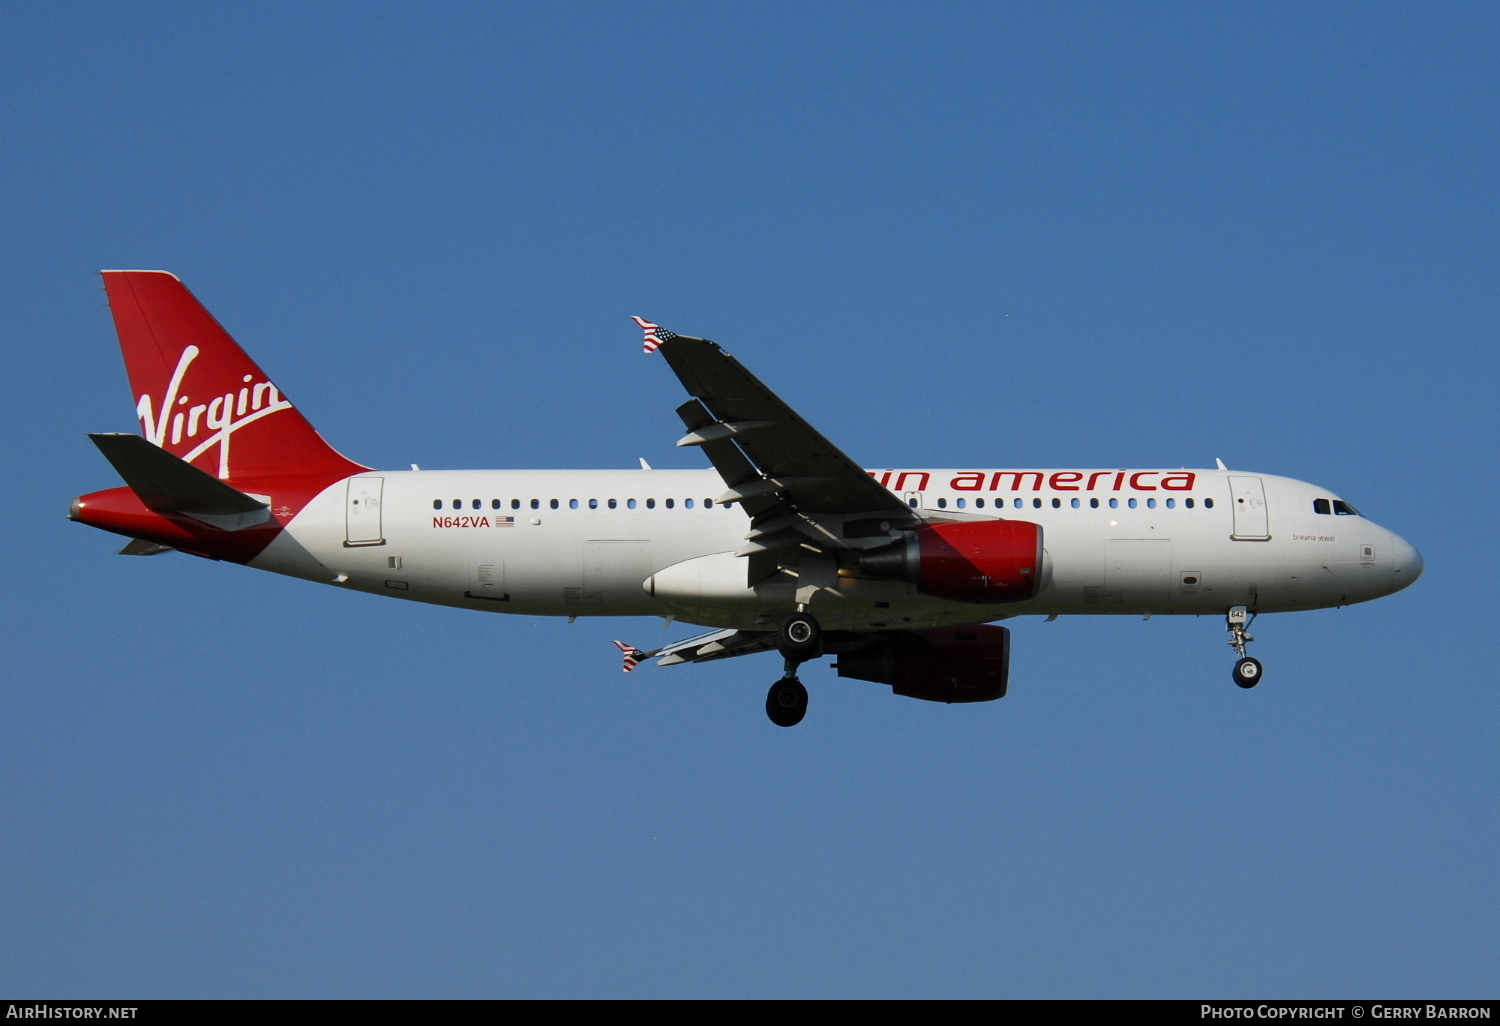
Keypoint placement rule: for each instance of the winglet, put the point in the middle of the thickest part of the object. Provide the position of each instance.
(632, 654)
(655, 334)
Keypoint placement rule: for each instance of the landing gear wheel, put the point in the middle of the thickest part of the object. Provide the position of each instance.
(800, 638)
(786, 703)
(1247, 672)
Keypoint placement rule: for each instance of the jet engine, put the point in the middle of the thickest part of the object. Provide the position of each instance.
(947, 664)
(981, 561)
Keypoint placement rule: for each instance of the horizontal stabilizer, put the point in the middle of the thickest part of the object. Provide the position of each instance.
(165, 482)
(141, 547)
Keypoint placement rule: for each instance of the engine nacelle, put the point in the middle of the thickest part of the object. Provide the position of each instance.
(971, 561)
(946, 664)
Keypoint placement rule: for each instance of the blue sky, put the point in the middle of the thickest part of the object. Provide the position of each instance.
(949, 234)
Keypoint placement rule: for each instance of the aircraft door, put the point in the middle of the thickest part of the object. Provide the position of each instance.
(362, 512)
(487, 581)
(1250, 519)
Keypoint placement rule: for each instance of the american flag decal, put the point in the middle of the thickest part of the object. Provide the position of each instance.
(632, 654)
(655, 334)
(505, 521)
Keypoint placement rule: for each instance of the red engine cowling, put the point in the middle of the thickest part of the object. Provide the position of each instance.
(947, 664)
(972, 561)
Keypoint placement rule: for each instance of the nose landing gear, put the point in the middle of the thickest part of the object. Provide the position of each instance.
(1247, 671)
(799, 639)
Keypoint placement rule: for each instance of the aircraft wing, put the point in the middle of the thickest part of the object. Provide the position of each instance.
(798, 487)
(702, 648)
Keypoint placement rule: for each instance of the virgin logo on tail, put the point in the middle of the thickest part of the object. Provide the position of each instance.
(221, 416)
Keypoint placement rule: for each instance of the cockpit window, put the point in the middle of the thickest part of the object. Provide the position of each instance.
(1343, 509)
(1321, 506)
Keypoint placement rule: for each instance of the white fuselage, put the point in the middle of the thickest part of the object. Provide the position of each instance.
(654, 542)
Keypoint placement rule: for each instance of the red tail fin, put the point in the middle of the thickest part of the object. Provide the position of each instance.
(199, 396)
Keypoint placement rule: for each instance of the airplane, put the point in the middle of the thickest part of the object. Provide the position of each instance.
(785, 545)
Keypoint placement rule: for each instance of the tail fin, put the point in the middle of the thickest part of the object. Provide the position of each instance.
(199, 396)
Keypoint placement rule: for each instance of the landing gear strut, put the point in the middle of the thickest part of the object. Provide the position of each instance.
(799, 639)
(1247, 672)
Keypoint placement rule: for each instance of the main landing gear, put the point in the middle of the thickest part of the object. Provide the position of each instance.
(799, 639)
(786, 703)
(1247, 672)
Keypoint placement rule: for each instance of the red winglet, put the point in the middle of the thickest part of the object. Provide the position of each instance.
(655, 334)
(632, 655)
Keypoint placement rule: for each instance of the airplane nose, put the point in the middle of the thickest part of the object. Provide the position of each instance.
(1406, 564)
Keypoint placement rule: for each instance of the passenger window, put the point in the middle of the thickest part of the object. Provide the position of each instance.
(1019, 504)
(650, 503)
(515, 503)
(1208, 504)
(536, 503)
(458, 504)
(553, 503)
(477, 504)
(979, 504)
(1076, 503)
(612, 504)
(593, 504)
(495, 504)
(942, 504)
(1150, 503)
(960, 503)
(1188, 503)
(572, 503)
(437, 503)
(1171, 504)
(1036, 503)
(669, 503)
(1114, 503)
(1093, 504)
(708, 504)
(1321, 506)
(1132, 504)
(630, 503)
(1057, 504)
